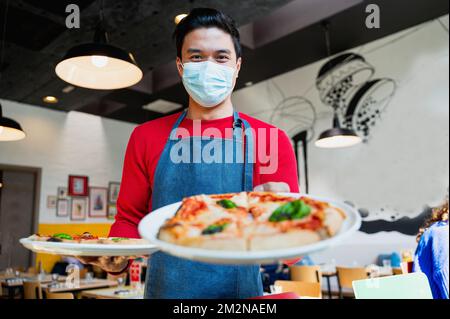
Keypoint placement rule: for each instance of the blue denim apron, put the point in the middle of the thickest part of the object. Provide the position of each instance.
(173, 277)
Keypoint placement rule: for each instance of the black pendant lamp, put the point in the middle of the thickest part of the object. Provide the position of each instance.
(10, 130)
(99, 65)
(337, 136)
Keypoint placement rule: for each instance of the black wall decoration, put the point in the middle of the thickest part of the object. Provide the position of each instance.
(345, 83)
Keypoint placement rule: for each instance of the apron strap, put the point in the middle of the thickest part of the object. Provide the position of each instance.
(242, 132)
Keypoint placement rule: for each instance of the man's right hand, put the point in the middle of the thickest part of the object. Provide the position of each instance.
(107, 263)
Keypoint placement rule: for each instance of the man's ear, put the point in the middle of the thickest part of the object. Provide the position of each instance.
(179, 66)
(238, 66)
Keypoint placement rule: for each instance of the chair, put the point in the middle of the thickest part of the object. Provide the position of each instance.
(397, 271)
(32, 271)
(59, 295)
(83, 272)
(406, 286)
(306, 273)
(346, 276)
(32, 290)
(303, 289)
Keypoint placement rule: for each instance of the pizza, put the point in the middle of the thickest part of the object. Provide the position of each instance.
(251, 221)
(87, 238)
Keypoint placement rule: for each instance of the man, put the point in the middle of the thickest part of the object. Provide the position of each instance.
(155, 174)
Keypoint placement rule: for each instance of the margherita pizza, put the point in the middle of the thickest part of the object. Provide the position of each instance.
(251, 221)
(87, 238)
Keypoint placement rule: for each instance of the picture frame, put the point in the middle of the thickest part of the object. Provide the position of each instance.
(62, 207)
(78, 185)
(62, 192)
(113, 192)
(98, 202)
(112, 211)
(79, 208)
(51, 201)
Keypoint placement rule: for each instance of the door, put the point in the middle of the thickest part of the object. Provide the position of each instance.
(17, 214)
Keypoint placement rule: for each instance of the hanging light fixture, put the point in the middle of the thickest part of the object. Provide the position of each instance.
(10, 130)
(99, 65)
(337, 136)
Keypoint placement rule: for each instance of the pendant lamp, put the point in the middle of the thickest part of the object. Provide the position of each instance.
(10, 130)
(337, 136)
(99, 65)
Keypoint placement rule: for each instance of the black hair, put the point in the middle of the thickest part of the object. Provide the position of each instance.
(206, 18)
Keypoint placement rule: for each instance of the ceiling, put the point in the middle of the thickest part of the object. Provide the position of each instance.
(277, 35)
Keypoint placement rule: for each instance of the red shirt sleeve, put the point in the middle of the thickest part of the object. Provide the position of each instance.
(135, 190)
(286, 167)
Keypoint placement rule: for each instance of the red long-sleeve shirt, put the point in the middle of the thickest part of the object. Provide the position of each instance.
(147, 143)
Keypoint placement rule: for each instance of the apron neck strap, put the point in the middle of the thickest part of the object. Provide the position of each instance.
(237, 122)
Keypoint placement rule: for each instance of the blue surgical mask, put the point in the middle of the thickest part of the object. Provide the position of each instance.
(208, 83)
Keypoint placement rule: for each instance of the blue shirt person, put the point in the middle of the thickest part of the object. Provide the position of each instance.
(431, 258)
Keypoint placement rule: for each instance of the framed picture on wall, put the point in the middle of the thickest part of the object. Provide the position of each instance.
(51, 201)
(79, 208)
(62, 192)
(62, 207)
(113, 191)
(112, 211)
(98, 201)
(78, 185)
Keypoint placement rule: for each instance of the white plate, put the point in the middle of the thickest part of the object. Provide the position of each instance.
(74, 249)
(149, 227)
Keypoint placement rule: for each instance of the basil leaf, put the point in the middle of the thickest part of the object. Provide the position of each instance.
(214, 228)
(296, 209)
(117, 239)
(226, 203)
(62, 236)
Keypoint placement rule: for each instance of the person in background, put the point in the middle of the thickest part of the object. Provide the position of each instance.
(431, 256)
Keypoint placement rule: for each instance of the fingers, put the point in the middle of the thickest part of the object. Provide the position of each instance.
(87, 259)
(278, 187)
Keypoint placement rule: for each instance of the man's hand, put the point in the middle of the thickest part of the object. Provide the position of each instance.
(279, 187)
(107, 263)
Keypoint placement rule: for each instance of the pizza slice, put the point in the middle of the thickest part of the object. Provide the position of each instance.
(284, 221)
(209, 222)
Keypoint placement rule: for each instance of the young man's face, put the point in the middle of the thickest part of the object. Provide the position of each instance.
(209, 44)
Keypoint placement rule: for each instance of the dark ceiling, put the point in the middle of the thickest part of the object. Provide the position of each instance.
(278, 36)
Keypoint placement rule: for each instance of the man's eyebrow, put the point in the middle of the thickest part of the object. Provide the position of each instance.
(223, 51)
(193, 50)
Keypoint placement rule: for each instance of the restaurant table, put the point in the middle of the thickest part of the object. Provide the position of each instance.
(126, 292)
(13, 283)
(84, 285)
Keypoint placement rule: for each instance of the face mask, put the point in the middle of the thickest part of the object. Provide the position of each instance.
(208, 83)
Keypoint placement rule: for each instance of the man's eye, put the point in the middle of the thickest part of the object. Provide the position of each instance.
(223, 57)
(196, 57)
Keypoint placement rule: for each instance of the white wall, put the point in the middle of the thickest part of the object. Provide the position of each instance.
(405, 164)
(66, 143)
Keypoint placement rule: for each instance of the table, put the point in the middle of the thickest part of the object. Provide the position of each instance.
(110, 293)
(84, 284)
(12, 283)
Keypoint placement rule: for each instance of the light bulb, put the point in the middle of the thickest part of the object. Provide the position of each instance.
(99, 60)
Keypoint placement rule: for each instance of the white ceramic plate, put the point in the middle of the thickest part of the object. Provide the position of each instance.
(149, 227)
(74, 249)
